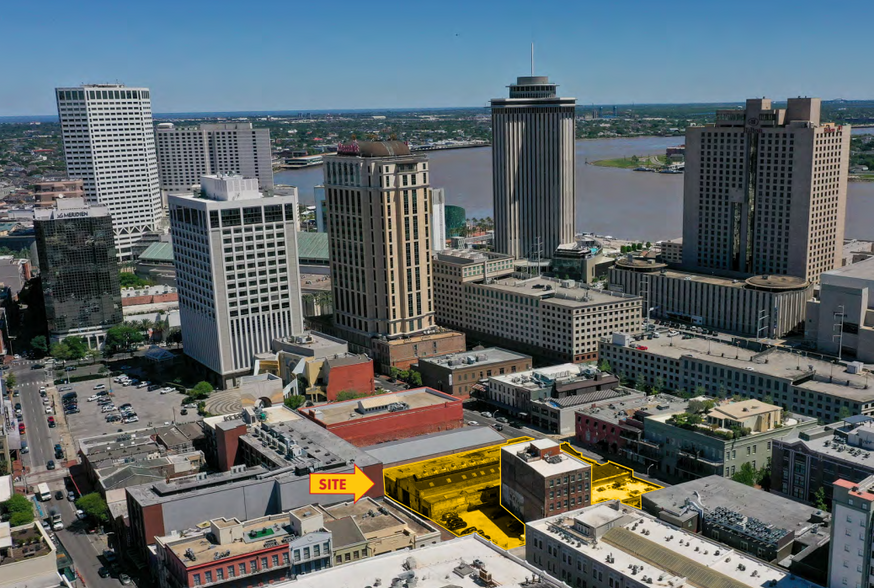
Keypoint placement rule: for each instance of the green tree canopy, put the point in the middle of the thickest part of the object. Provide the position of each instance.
(10, 380)
(18, 503)
(640, 382)
(295, 401)
(40, 345)
(122, 337)
(414, 378)
(94, 506)
(819, 499)
(604, 366)
(131, 280)
(201, 390)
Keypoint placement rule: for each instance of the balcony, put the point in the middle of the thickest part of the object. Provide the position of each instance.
(689, 461)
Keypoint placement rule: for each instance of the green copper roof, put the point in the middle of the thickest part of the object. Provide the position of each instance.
(312, 246)
(158, 252)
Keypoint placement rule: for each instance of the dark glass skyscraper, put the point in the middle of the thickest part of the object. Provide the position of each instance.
(79, 270)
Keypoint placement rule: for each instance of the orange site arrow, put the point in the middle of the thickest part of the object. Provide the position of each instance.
(356, 483)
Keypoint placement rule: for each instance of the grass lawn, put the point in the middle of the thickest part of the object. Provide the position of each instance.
(630, 162)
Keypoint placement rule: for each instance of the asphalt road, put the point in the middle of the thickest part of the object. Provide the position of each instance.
(40, 438)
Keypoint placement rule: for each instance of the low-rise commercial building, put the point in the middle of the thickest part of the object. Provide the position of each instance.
(29, 557)
(582, 259)
(389, 417)
(466, 562)
(805, 465)
(395, 453)
(610, 544)
(615, 425)
(458, 373)
(556, 320)
(732, 305)
(781, 531)
(719, 442)
(841, 321)
(547, 397)
(799, 382)
(538, 480)
(671, 251)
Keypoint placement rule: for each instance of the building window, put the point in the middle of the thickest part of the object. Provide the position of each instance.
(219, 574)
(208, 577)
(275, 560)
(347, 557)
(197, 579)
(264, 565)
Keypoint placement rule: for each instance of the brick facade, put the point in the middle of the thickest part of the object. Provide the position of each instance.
(356, 378)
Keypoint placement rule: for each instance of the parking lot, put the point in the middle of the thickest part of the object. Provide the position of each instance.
(152, 408)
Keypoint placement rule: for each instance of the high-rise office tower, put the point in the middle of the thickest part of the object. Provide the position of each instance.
(238, 278)
(79, 270)
(109, 143)
(380, 238)
(186, 154)
(533, 169)
(765, 191)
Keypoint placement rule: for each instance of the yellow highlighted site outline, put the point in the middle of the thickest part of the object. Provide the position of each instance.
(462, 492)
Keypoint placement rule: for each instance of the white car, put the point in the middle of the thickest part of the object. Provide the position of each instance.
(46, 400)
(80, 514)
(93, 398)
(486, 414)
(42, 389)
(472, 423)
(49, 410)
(16, 356)
(132, 419)
(100, 386)
(107, 408)
(167, 390)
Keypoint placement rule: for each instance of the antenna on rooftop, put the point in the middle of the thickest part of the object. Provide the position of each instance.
(532, 59)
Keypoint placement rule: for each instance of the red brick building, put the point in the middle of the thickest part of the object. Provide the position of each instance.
(389, 417)
(351, 373)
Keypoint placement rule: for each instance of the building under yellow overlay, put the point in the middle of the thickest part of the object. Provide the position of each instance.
(461, 492)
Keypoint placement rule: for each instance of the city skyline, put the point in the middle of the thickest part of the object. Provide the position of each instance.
(602, 55)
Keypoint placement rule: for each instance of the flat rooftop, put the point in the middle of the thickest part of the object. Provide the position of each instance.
(639, 539)
(341, 412)
(384, 516)
(557, 294)
(781, 364)
(269, 528)
(563, 464)
(425, 446)
(717, 491)
(618, 409)
(826, 441)
(447, 564)
(863, 270)
(481, 357)
(468, 256)
(311, 340)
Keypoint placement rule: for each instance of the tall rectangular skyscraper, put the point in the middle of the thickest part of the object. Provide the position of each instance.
(79, 270)
(185, 154)
(765, 191)
(109, 143)
(237, 272)
(379, 232)
(533, 169)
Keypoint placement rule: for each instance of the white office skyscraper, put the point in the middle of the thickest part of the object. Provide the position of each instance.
(187, 153)
(237, 272)
(109, 143)
(533, 169)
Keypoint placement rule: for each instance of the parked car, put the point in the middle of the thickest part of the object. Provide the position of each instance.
(80, 514)
(71, 496)
(37, 366)
(72, 410)
(486, 414)
(103, 572)
(50, 464)
(59, 495)
(49, 410)
(107, 408)
(93, 397)
(70, 368)
(154, 387)
(21, 428)
(501, 420)
(131, 419)
(472, 423)
(100, 386)
(183, 412)
(51, 421)
(124, 579)
(498, 427)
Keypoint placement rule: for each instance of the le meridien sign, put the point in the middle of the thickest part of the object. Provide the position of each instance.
(72, 214)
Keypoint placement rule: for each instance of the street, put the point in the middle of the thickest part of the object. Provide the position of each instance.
(41, 439)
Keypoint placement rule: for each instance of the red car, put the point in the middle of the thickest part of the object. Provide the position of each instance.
(21, 428)
(51, 421)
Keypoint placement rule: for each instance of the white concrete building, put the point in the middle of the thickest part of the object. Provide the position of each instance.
(851, 562)
(533, 169)
(841, 320)
(438, 219)
(238, 278)
(109, 143)
(187, 153)
(609, 544)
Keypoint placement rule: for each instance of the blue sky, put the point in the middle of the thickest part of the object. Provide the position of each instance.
(290, 55)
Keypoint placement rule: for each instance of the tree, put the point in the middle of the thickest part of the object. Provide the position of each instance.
(700, 391)
(201, 390)
(658, 385)
(131, 280)
(640, 382)
(295, 401)
(414, 378)
(94, 506)
(40, 345)
(77, 346)
(122, 337)
(20, 509)
(10, 380)
(819, 500)
(174, 336)
(604, 366)
(844, 413)
(648, 244)
(746, 475)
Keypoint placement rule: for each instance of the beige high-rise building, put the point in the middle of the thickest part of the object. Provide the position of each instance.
(533, 169)
(765, 191)
(378, 221)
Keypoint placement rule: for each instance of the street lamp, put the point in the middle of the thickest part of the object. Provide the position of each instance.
(648, 468)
